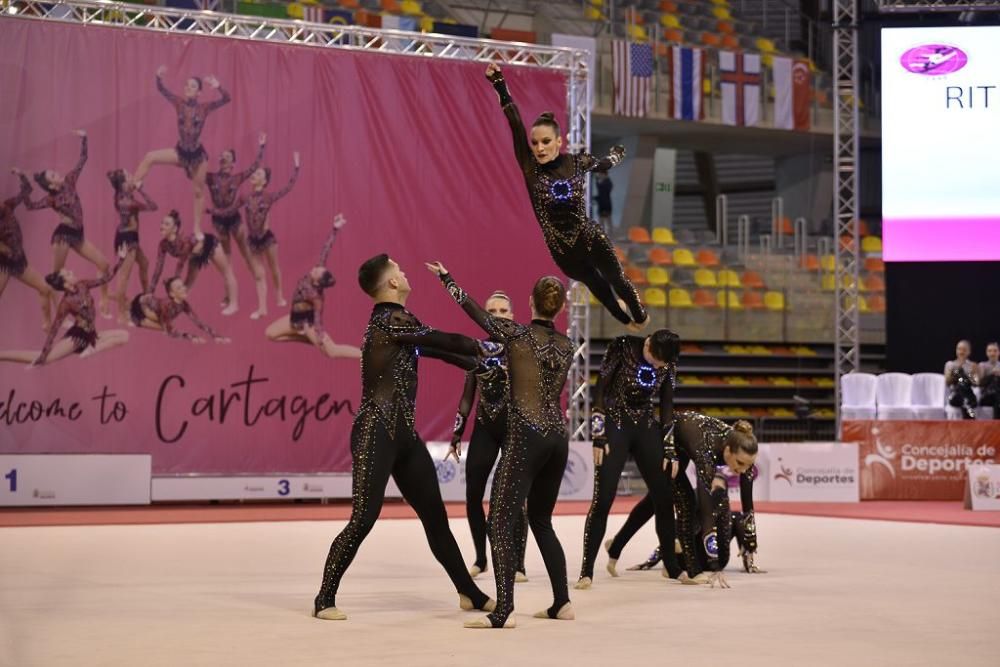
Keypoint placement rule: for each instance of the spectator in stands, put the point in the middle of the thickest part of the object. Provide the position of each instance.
(603, 199)
(960, 376)
(989, 379)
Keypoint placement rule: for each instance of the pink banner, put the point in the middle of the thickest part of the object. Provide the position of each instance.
(941, 239)
(414, 152)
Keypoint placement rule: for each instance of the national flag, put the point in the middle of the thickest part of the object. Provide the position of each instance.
(339, 16)
(791, 93)
(740, 81)
(313, 13)
(688, 69)
(632, 67)
(394, 22)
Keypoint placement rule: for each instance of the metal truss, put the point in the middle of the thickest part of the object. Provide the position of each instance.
(914, 6)
(359, 38)
(328, 35)
(847, 332)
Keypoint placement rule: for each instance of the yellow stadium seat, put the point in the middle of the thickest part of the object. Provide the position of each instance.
(664, 236)
(670, 21)
(592, 13)
(597, 3)
(722, 13)
(781, 412)
(732, 302)
(683, 257)
(705, 278)
(720, 3)
(804, 351)
(729, 278)
(764, 45)
(828, 263)
(782, 382)
(680, 298)
(657, 276)
(654, 296)
(411, 8)
(427, 24)
(825, 383)
(871, 245)
(774, 300)
(637, 32)
(863, 305)
(736, 349)
(593, 299)
(759, 349)
(829, 283)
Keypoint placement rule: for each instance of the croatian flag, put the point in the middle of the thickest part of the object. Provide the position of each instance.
(740, 81)
(688, 68)
(632, 65)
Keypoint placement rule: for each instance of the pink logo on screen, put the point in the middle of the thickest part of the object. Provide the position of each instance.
(934, 59)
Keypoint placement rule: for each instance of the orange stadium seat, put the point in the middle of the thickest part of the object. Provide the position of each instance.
(391, 6)
(710, 39)
(730, 42)
(660, 257)
(877, 303)
(621, 255)
(639, 235)
(668, 6)
(725, 28)
(810, 262)
(753, 280)
(752, 300)
(863, 229)
(349, 4)
(874, 265)
(707, 258)
(674, 35)
(636, 275)
(704, 299)
(873, 283)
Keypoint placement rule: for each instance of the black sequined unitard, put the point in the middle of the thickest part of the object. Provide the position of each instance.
(622, 418)
(66, 202)
(534, 453)
(488, 435)
(579, 246)
(703, 516)
(384, 443)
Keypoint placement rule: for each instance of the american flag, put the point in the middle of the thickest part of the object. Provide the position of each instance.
(633, 77)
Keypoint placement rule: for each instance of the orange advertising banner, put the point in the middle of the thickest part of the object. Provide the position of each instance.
(920, 460)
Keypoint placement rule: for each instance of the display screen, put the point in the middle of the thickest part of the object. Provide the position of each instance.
(941, 144)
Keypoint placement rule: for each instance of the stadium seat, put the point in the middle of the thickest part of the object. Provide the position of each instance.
(874, 265)
(710, 39)
(857, 396)
(592, 13)
(764, 45)
(781, 412)
(684, 257)
(639, 235)
(730, 42)
(593, 299)
(705, 278)
(781, 381)
(828, 263)
(349, 4)
(722, 13)
(731, 303)
(846, 242)
(863, 228)
(704, 299)
(655, 297)
(752, 300)
(707, 258)
(892, 396)
(753, 280)
(637, 32)
(621, 255)
(873, 282)
(810, 262)
(729, 278)
(664, 236)
(670, 21)
(829, 283)
(411, 8)
(877, 303)
(660, 256)
(863, 305)
(673, 35)
(668, 6)
(658, 276)
(391, 6)
(786, 226)
(725, 28)
(636, 275)
(871, 245)
(758, 350)
(774, 300)
(680, 298)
